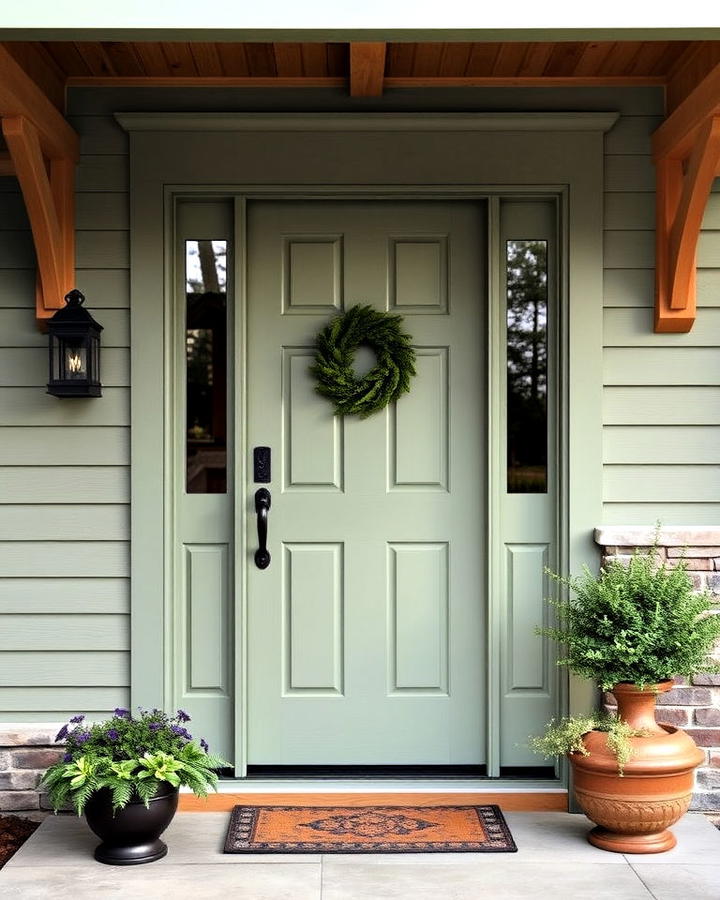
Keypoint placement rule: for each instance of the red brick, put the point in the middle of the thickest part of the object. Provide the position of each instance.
(19, 781)
(35, 759)
(707, 716)
(686, 696)
(705, 737)
(14, 800)
(673, 716)
(690, 552)
(714, 760)
(706, 679)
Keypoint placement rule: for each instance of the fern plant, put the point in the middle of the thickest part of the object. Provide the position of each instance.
(638, 622)
(133, 758)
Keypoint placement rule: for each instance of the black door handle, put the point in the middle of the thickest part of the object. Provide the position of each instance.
(262, 505)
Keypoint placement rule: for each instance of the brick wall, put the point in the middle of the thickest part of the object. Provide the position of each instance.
(26, 750)
(693, 706)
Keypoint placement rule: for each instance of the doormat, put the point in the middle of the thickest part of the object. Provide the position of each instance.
(368, 829)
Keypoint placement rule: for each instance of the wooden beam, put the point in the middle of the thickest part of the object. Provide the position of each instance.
(367, 69)
(49, 201)
(20, 96)
(674, 138)
(6, 165)
(681, 198)
(186, 81)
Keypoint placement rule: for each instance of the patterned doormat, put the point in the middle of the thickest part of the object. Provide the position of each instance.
(368, 829)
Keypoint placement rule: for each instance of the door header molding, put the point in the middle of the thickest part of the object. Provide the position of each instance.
(427, 122)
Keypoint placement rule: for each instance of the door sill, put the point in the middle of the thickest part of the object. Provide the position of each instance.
(512, 796)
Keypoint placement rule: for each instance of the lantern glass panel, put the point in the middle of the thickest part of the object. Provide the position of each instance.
(75, 361)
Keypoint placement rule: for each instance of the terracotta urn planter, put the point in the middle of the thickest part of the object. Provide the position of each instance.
(634, 811)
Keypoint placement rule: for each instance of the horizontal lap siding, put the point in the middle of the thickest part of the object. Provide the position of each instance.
(661, 409)
(64, 464)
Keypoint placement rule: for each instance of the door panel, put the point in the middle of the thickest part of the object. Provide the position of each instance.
(366, 634)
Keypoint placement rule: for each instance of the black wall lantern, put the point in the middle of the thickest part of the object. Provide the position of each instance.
(74, 350)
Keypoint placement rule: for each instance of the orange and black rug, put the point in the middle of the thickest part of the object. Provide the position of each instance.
(368, 829)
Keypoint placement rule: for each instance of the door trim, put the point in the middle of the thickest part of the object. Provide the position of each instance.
(573, 171)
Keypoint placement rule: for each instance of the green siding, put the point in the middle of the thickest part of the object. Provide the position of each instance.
(661, 403)
(64, 533)
(64, 477)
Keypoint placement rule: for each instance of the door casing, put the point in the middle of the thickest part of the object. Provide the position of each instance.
(575, 179)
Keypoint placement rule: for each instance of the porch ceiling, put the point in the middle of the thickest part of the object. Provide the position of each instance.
(58, 64)
(35, 75)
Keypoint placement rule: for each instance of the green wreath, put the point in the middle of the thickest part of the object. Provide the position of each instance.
(335, 350)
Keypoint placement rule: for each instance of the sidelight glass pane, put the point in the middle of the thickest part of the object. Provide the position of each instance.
(527, 366)
(206, 366)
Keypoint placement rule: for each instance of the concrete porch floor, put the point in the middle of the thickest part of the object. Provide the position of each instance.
(553, 860)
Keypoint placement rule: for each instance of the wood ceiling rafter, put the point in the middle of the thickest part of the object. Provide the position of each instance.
(43, 152)
(367, 69)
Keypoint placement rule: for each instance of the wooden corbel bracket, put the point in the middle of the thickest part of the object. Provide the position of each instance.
(43, 151)
(48, 189)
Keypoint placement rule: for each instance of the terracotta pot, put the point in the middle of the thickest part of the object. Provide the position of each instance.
(131, 836)
(633, 812)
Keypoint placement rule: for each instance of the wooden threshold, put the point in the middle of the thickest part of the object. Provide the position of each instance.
(520, 801)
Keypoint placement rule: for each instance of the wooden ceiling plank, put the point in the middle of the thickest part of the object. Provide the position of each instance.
(314, 59)
(428, 56)
(261, 60)
(455, 57)
(20, 96)
(288, 59)
(41, 68)
(564, 59)
(207, 59)
(536, 58)
(647, 57)
(620, 58)
(94, 58)
(400, 60)
(695, 66)
(674, 51)
(233, 60)
(122, 58)
(593, 57)
(67, 57)
(509, 59)
(179, 58)
(152, 59)
(482, 59)
(367, 68)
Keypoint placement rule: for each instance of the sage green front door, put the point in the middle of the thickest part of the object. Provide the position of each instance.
(366, 633)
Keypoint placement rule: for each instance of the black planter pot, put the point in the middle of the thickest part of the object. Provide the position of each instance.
(131, 836)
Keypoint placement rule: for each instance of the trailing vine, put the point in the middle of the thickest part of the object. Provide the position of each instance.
(335, 348)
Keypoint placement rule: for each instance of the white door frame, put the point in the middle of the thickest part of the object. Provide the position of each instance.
(567, 163)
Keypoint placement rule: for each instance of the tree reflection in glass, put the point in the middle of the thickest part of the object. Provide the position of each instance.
(527, 366)
(206, 366)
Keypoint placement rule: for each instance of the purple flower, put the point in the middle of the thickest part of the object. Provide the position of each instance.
(62, 734)
(122, 713)
(82, 737)
(183, 716)
(67, 757)
(155, 726)
(204, 745)
(77, 719)
(113, 734)
(181, 732)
